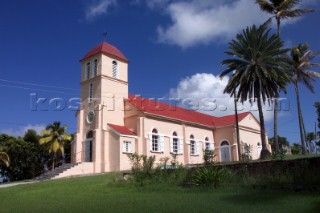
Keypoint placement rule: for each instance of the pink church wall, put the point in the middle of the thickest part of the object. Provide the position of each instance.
(114, 152)
(125, 162)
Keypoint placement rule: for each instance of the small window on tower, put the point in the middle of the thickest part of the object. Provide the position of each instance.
(95, 67)
(88, 71)
(90, 93)
(114, 69)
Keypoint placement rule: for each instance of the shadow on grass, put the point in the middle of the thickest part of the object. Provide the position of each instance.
(250, 196)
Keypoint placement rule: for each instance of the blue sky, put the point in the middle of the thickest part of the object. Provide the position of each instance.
(175, 49)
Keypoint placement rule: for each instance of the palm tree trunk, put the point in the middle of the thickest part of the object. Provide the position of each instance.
(53, 160)
(300, 118)
(275, 110)
(264, 152)
(308, 148)
(237, 125)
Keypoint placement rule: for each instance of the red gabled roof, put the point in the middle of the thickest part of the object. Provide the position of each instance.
(174, 112)
(121, 130)
(107, 49)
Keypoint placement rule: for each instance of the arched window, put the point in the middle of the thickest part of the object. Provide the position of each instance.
(114, 69)
(207, 143)
(88, 71)
(225, 151)
(193, 145)
(224, 143)
(155, 141)
(95, 67)
(89, 135)
(175, 143)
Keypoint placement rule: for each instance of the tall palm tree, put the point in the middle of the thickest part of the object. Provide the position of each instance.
(4, 159)
(55, 137)
(301, 58)
(259, 62)
(281, 9)
(237, 124)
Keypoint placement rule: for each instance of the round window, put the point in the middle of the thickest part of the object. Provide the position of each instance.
(90, 117)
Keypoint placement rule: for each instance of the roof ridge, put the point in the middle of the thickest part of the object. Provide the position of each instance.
(182, 113)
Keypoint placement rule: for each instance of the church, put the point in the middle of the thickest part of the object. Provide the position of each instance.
(113, 123)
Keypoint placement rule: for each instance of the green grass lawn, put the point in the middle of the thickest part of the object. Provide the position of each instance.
(291, 157)
(102, 194)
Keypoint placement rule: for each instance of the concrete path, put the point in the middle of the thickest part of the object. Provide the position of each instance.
(6, 185)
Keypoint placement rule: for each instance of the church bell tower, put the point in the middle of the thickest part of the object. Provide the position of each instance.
(104, 86)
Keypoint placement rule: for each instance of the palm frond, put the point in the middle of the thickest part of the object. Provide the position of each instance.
(45, 140)
(4, 159)
(288, 4)
(265, 6)
(295, 13)
(313, 73)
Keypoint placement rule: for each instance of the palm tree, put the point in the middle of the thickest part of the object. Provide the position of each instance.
(55, 137)
(281, 9)
(301, 58)
(259, 63)
(237, 124)
(4, 159)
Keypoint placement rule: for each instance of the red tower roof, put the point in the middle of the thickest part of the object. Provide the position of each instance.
(107, 49)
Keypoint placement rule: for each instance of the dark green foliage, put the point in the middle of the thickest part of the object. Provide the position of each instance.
(31, 136)
(258, 67)
(279, 155)
(142, 167)
(283, 141)
(25, 159)
(246, 155)
(317, 106)
(210, 176)
(209, 157)
(296, 149)
(144, 171)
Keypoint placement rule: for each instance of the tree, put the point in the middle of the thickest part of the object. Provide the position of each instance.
(296, 149)
(257, 69)
(317, 106)
(25, 162)
(31, 136)
(301, 58)
(282, 142)
(281, 9)
(237, 125)
(55, 137)
(309, 138)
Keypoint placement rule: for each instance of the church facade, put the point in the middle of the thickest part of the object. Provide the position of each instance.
(113, 123)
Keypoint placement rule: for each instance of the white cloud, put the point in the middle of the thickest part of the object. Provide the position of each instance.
(204, 21)
(99, 7)
(206, 93)
(22, 129)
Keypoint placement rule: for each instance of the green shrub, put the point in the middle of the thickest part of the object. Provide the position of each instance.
(209, 176)
(142, 167)
(246, 155)
(296, 149)
(209, 157)
(280, 155)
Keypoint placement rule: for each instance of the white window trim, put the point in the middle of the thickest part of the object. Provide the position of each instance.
(211, 145)
(180, 150)
(196, 148)
(160, 142)
(124, 147)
